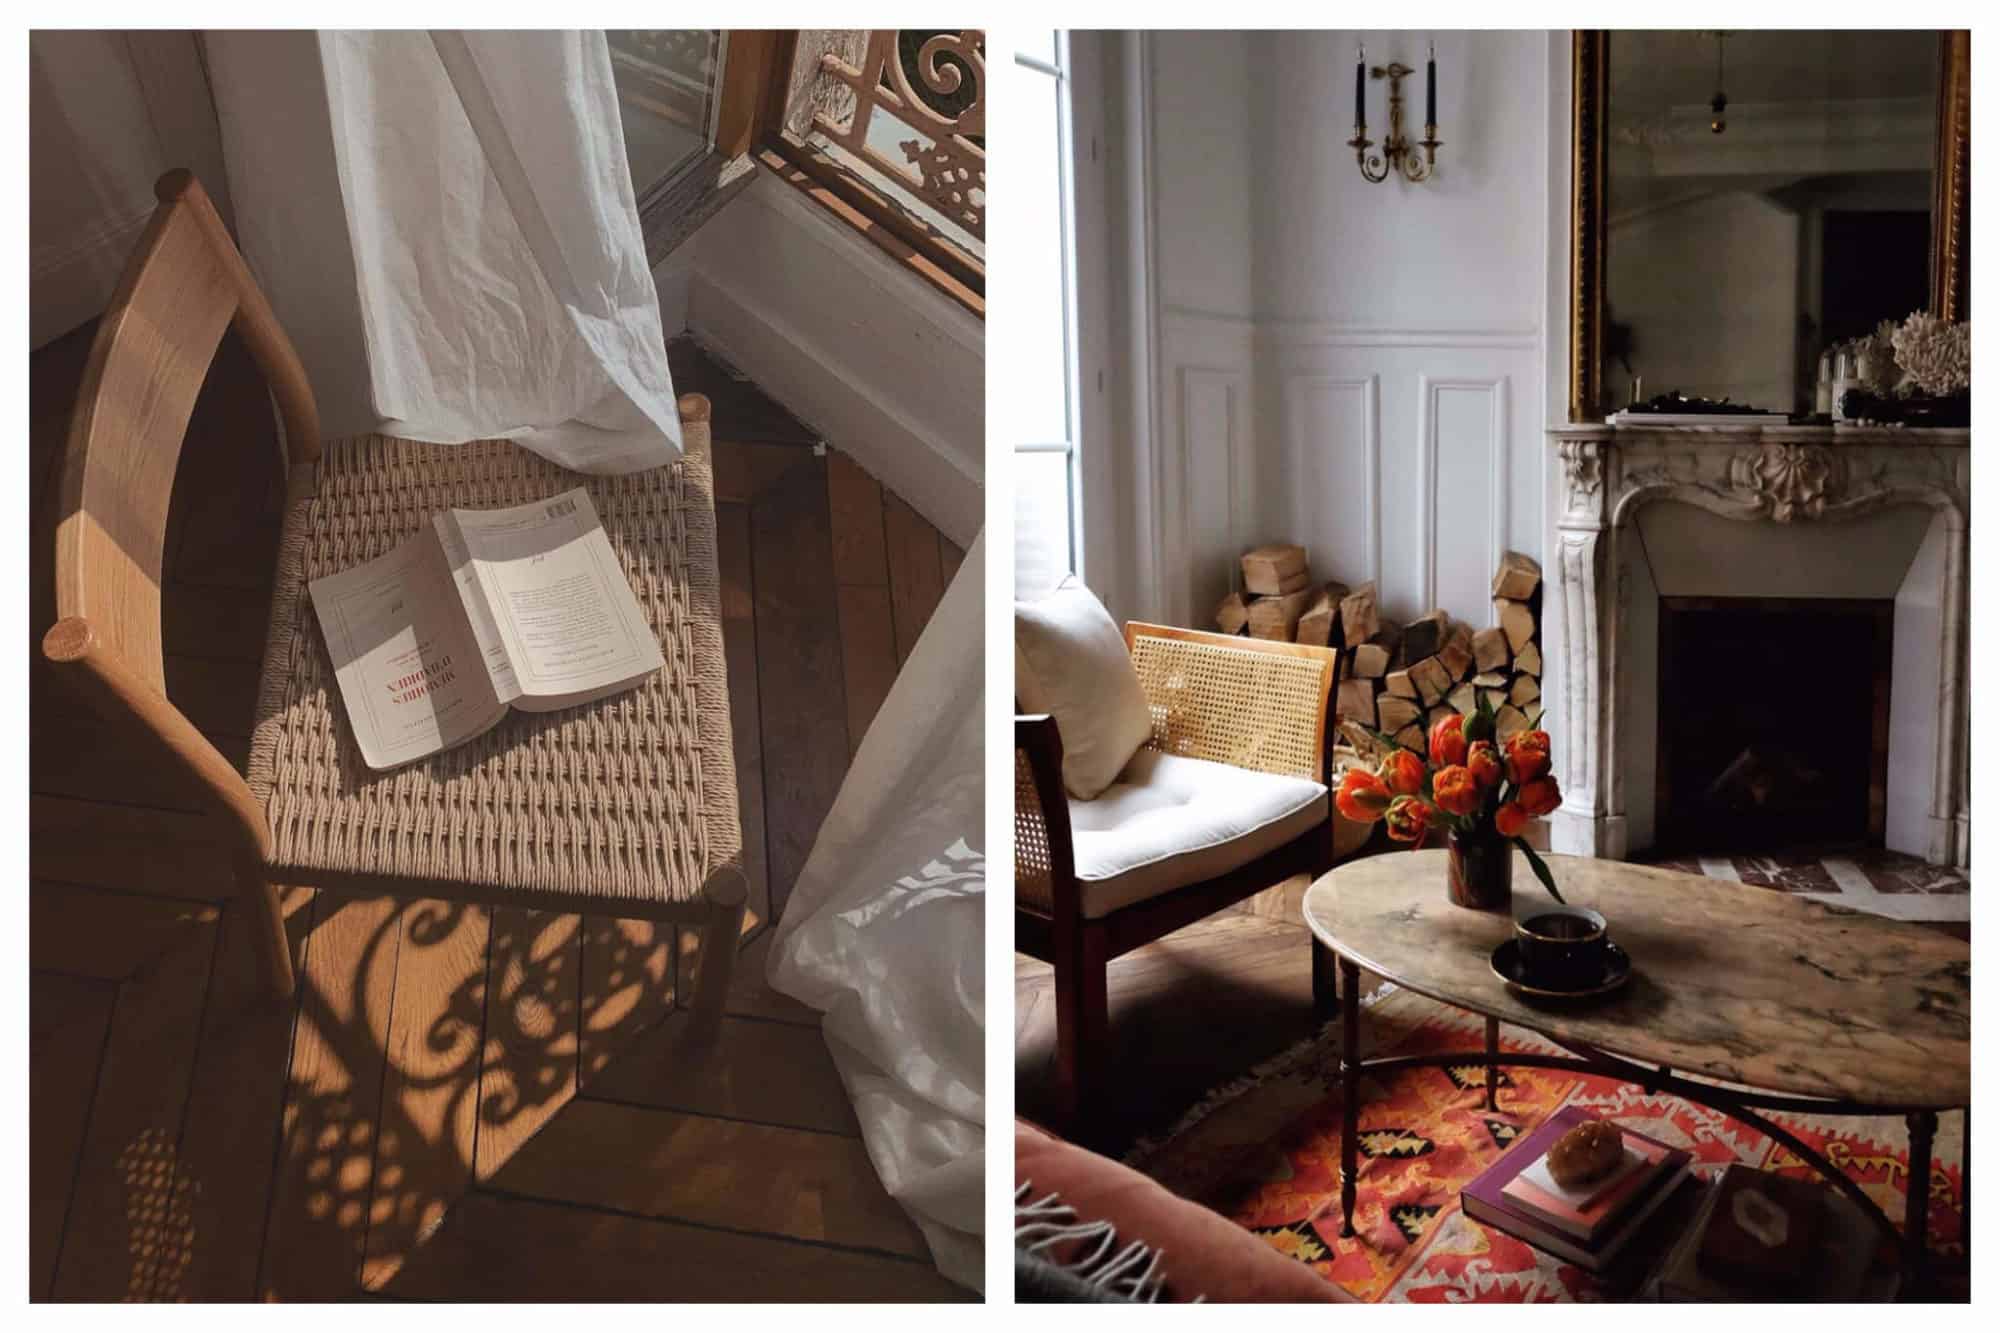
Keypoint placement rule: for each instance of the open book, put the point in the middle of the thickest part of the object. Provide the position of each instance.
(486, 610)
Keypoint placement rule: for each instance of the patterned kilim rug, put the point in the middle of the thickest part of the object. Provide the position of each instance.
(1265, 1152)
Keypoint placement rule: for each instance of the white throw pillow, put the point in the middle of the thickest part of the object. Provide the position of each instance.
(1070, 662)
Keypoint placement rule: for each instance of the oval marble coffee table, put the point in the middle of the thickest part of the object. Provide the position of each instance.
(1818, 1009)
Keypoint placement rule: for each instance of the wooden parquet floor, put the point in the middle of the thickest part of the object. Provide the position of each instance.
(461, 1104)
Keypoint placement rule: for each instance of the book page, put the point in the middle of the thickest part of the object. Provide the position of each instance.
(561, 604)
(404, 654)
(478, 607)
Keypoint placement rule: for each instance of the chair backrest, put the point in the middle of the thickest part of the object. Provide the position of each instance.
(185, 285)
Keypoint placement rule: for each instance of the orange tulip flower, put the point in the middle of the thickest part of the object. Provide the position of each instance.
(1448, 740)
(1510, 819)
(1408, 819)
(1456, 791)
(1482, 759)
(1527, 756)
(1403, 773)
(1362, 796)
(1539, 796)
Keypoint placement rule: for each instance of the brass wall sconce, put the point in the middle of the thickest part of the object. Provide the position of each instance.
(1398, 153)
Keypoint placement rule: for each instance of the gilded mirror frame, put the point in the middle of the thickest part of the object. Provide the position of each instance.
(1589, 91)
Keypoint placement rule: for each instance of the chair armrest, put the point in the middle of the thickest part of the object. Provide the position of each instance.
(1044, 860)
(1252, 703)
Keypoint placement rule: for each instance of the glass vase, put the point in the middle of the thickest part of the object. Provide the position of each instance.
(1479, 870)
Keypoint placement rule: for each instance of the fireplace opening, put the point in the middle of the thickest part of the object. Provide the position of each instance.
(1774, 724)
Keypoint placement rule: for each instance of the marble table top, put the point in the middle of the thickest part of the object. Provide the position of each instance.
(1730, 983)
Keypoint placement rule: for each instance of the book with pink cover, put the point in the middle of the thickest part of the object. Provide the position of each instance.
(1587, 1212)
(1493, 1185)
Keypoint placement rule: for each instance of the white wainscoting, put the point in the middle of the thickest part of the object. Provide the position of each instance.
(1401, 458)
(1409, 457)
(888, 368)
(1209, 479)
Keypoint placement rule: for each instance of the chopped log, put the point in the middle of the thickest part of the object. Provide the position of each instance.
(1464, 699)
(1431, 680)
(1508, 721)
(1371, 660)
(1489, 649)
(1266, 569)
(1399, 684)
(1412, 738)
(1291, 583)
(1491, 680)
(1495, 699)
(1517, 620)
(1278, 617)
(1526, 690)
(1321, 621)
(1534, 713)
(1390, 637)
(1422, 638)
(1233, 614)
(1356, 701)
(1529, 659)
(1517, 577)
(1359, 620)
(1396, 712)
(1457, 652)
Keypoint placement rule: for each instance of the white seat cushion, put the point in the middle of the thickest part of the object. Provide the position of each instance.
(1070, 661)
(1170, 821)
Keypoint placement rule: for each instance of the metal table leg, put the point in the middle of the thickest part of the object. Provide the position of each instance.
(1917, 1201)
(1350, 1083)
(1492, 1067)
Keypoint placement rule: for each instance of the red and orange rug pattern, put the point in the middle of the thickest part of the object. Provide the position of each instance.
(1266, 1154)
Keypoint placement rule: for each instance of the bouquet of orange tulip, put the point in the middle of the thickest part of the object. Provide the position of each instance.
(1482, 791)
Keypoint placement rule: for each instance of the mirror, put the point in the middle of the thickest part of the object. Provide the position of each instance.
(1744, 199)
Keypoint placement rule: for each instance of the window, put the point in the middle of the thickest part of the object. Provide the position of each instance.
(1043, 406)
(667, 80)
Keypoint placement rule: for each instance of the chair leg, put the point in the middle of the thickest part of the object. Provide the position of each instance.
(259, 896)
(1082, 1023)
(726, 894)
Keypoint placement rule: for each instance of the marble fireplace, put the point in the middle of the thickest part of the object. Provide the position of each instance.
(1779, 517)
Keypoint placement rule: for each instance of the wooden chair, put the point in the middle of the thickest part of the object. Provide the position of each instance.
(1249, 703)
(550, 812)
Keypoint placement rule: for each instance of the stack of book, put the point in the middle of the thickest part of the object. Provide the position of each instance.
(1591, 1226)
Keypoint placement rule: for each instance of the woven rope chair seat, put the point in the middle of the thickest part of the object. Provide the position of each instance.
(624, 805)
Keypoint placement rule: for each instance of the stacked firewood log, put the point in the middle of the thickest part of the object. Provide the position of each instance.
(1400, 679)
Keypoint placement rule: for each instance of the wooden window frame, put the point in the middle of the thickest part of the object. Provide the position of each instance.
(757, 72)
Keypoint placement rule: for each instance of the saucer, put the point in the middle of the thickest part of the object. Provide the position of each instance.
(1507, 966)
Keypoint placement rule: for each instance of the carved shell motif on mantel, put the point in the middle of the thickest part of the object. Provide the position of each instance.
(1788, 481)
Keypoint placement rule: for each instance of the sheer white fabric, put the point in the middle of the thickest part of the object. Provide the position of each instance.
(885, 932)
(484, 274)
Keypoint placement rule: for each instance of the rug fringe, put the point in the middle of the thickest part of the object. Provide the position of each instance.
(1284, 1062)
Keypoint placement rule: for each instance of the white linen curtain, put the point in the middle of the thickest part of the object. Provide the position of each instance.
(445, 224)
(885, 932)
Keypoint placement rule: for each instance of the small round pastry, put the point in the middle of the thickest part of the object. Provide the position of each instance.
(1589, 1152)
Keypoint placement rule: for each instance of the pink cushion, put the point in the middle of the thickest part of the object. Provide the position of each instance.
(1203, 1254)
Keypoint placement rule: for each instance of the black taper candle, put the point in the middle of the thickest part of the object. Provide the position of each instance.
(1431, 88)
(1360, 74)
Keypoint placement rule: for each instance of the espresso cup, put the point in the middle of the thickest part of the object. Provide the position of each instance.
(1563, 945)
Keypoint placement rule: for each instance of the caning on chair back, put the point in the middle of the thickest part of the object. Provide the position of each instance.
(1245, 702)
(1043, 856)
(185, 285)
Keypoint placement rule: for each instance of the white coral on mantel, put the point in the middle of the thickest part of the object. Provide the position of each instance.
(1936, 355)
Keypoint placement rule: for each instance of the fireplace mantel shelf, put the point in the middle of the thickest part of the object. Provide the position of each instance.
(1789, 478)
(1751, 432)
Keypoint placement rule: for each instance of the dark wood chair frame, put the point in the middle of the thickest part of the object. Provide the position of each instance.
(1080, 947)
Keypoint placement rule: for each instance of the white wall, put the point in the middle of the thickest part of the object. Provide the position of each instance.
(891, 370)
(1371, 382)
(108, 112)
